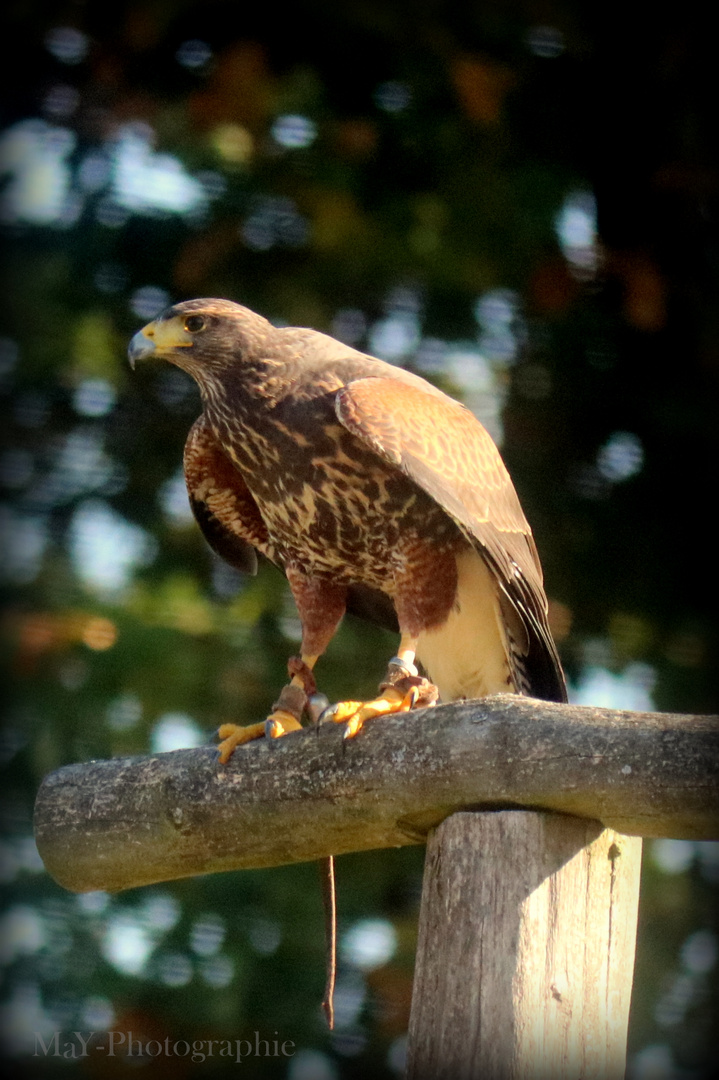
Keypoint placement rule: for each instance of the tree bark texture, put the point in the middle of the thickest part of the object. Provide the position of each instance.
(127, 822)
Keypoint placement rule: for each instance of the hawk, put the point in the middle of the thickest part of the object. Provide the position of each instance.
(373, 492)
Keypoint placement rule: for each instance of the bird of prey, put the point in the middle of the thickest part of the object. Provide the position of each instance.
(373, 492)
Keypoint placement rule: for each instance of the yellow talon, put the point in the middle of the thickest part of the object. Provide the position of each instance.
(355, 713)
(343, 710)
(234, 735)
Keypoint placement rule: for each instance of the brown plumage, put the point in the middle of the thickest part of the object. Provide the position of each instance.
(370, 488)
(373, 492)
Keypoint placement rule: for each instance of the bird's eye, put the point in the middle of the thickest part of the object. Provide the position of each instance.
(194, 323)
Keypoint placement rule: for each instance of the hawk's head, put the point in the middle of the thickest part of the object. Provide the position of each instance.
(206, 338)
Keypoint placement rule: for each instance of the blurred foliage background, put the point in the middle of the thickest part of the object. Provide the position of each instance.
(518, 200)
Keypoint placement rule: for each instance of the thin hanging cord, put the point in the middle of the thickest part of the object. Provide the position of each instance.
(329, 901)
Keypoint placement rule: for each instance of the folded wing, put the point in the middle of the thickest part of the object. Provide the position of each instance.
(444, 449)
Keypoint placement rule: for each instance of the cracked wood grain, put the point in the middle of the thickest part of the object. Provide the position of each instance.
(526, 949)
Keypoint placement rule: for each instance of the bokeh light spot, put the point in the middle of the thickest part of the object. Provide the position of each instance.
(350, 996)
(621, 457)
(145, 182)
(175, 731)
(94, 172)
(149, 301)
(699, 952)
(576, 228)
(629, 689)
(397, 1055)
(369, 944)
(94, 903)
(97, 1014)
(16, 468)
(126, 943)
(654, 1062)
(395, 337)
(431, 354)
(349, 325)
(217, 971)
(161, 911)
(586, 481)
(497, 312)
(233, 142)
(213, 182)
(393, 96)
(61, 101)
(23, 540)
(265, 935)
(110, 214)
(311, 1065)
(94, 397)
(110, 278)
(193, 54)
(67, 44)
(124, 712)
(207, 934)
(673, 856)
(294, 132)
(106, 548)
(34, 155)
(22, 933)
(545, 41)
(99, 634)
(174, 969)
(174, 502)
(274, 222)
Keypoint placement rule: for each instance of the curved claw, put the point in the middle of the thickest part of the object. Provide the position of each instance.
(279, 723)
(352, 727)
(273, 728)
(410, 699)
(356, 713)
(339, 712)
(393, 698)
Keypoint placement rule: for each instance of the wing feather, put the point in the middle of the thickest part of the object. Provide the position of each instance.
(444, 449)
(221, 502)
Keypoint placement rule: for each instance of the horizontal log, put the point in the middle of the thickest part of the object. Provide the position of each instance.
(136, 821)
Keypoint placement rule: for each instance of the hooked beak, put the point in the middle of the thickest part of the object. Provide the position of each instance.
(140, 348)
(161, 338)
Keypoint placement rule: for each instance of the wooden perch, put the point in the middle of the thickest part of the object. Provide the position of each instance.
(526, 949)
(136, 821)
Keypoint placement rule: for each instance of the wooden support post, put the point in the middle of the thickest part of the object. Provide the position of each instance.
(526, 949)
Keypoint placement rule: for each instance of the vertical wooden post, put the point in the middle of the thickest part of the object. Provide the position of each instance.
(526, 949)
